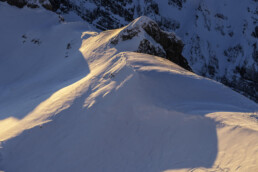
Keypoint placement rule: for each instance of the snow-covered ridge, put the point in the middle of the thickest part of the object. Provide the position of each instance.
(71, 101)
(145, 36)
(220, 37)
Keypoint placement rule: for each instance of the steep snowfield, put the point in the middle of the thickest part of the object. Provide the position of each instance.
(70, 101)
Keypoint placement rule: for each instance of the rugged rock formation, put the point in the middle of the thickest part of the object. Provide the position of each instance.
(177, 3)
(170, 43)
(17, 3)
(152, 40)
(145, 46)
(48, 4)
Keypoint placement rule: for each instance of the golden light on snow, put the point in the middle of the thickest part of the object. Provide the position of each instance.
(5, 125)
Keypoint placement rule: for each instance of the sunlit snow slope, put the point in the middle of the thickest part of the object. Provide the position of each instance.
(71, 101)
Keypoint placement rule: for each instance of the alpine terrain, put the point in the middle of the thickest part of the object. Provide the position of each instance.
(132, 86)
(220, 37)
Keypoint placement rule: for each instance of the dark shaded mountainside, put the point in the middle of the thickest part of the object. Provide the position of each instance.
(220, 38)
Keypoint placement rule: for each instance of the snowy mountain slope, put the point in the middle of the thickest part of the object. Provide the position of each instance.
(220, 37)
(71, 101)
(143, 35)
(39, 55)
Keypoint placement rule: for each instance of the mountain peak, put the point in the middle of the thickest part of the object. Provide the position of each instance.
(220, 44)
(140, 22)
(150, 39)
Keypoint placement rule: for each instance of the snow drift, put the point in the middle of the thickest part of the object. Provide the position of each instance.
(74, 102)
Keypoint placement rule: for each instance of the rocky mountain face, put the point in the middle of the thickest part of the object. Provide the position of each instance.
(48, 4)
(220, 37)
(150, 39)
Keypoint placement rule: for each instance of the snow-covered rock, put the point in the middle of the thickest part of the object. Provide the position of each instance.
(148, 38)
(220, 37)
(48, 4)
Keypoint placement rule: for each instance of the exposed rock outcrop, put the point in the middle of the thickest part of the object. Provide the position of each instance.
(48, 4)
(170, 43)
(152, 40)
